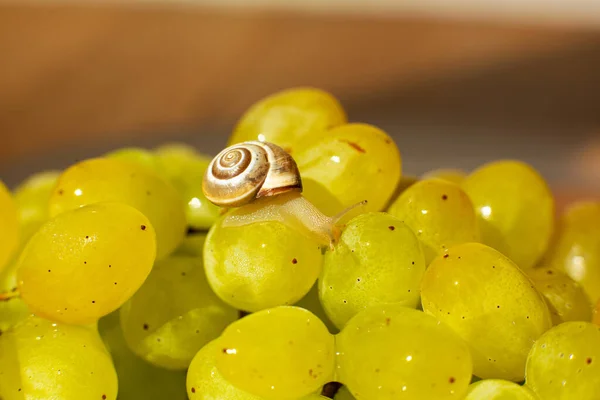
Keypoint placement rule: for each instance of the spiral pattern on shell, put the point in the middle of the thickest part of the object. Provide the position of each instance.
(247, 171)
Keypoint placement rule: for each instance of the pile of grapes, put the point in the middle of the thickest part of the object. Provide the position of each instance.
(299, 263)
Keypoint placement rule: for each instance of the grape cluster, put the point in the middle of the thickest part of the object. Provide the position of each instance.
(323, 272)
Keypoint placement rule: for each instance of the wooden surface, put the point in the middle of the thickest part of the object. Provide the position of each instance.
(79, 75)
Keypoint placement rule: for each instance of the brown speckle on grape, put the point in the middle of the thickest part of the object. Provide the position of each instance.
(445, 255)
(193, 390)
(444, 197)
(143, 227)
(145, 327)
(388, 321)
(294, 261)
(588, 360)
(103, 397)
(451, 379)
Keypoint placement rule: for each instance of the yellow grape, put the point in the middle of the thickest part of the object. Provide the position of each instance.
(405, 183)
(9, 226)
(140, 157)
(185, 169)
(174, 313)
(576, 249)
(355, 162)
(312, 303)
(390, 352)
(566, 299)
(280, 353)
(102, 179)
(378, 260)
(343, 394)
(31, 197)
(40, 359)
(453, 175)
(205, 382)
(485, 298)
(515, 209)
(261, 265)
(138, 380)
(85, 263)
(498, 389)
(564, 363)
(596, 314)
(290, 117)
(14, 309)
(440, 213)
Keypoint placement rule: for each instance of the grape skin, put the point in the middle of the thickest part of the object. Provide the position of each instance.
(378, 260)
(440, 213)
(474, 289)
(498, 389)
(102, 179)
(85, 263)
(40, 359)
(564, 363)
(515, 208)
(566, 299)
(261, 265)
(281, 353)
(453, 175)
(9, 223)
(174, 313)
(389, 352)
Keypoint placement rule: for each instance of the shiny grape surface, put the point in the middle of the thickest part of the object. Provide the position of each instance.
(9, 226)
(102, 179)
(391, 352)
(139, 156)
(474, 289)
(85, 263)
(576, 249)
(174, 313)
(596, 314)
(261, 265)
(566, 299)
(453, 175)
(498, 389)
(290, 118)
(440, 213)
(185, 169)
(13, 310)
(564, 363)
(515, 209)
(40, 359)
(354, 162)
(280, 353)
(138, 380)
(378, 260)
(32, 197)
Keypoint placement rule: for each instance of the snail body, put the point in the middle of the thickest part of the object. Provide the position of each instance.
(264, 182)
(248, 171)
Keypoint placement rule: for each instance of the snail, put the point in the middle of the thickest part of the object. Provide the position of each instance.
(263, 180)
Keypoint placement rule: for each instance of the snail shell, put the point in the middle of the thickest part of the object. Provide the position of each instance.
(247, 171)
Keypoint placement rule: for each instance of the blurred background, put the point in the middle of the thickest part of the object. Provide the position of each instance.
(456, 83)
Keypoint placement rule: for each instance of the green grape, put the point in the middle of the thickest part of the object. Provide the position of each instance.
(453, 175)
(498, 389)
(485, 298)
(138, 380)
(378, 260)
(14, 309)
(31, 197)
(139, 156)
(40, 359)
(174, 313)
(205, 382)
(281, 353)
(355, 162)
(405, 183)
(102, 179)
(515, 209)
(312, 303)
(343, 394)
(576, 249)
(288, 118)
(192, 245)
(260, 265)
(440, 213)
(9, 226)
(564, 363)
(566, 299)
(186, 170)
(85, 263)
(394, 352)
